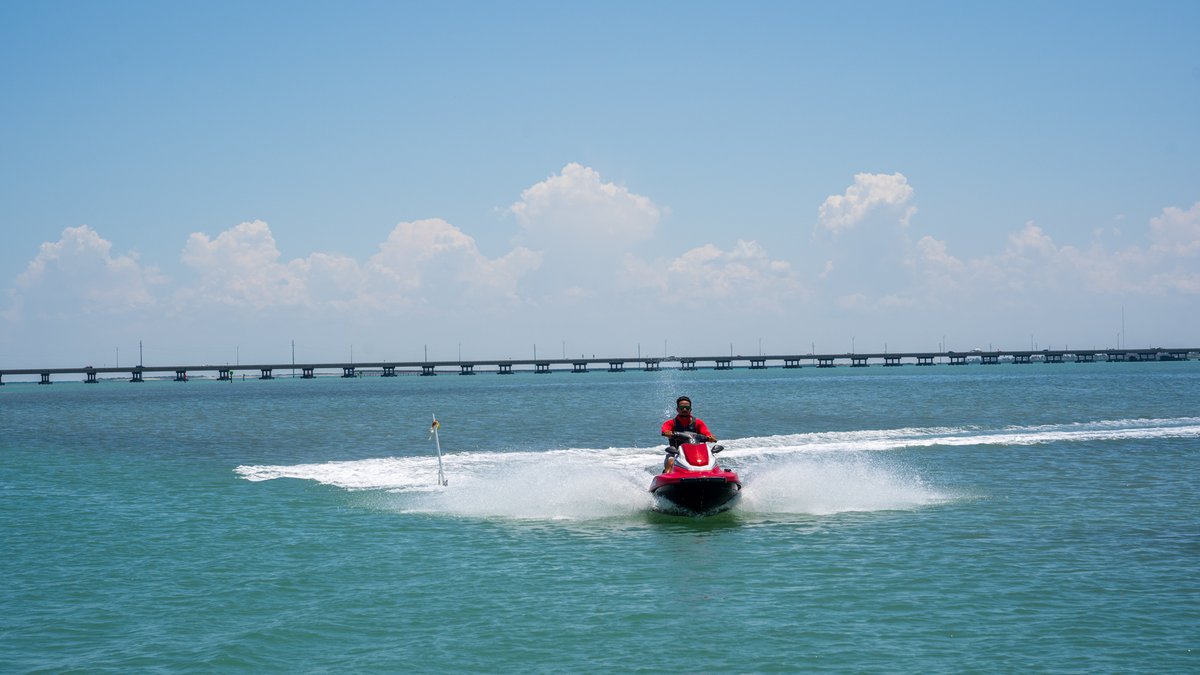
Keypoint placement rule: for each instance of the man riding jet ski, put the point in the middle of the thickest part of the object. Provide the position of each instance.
(691, 481)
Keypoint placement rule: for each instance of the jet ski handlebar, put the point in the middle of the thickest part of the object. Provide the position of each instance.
(690, 437)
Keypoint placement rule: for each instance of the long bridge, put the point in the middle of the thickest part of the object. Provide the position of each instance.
(583, 365)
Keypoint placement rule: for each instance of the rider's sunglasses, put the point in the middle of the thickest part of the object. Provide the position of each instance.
(685, 407)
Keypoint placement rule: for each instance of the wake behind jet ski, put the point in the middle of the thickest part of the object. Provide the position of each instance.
(692, 483)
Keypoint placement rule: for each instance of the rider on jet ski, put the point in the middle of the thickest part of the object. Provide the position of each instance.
(683, 421)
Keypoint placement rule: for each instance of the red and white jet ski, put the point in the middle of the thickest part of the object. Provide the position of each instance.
(694, 484)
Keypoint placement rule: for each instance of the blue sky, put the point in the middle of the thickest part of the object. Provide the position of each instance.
(223, 178)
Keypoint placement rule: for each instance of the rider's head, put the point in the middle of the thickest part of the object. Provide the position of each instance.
(683, 405)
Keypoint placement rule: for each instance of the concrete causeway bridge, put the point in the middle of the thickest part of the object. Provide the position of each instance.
(614, 365)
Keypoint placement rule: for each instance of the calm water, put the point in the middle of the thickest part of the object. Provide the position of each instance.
(947, 519)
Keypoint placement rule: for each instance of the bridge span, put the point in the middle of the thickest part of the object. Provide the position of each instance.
(611, 364)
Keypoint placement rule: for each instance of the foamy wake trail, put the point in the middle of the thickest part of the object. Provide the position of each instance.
(572, 484)
(895, 439)
(818, 473)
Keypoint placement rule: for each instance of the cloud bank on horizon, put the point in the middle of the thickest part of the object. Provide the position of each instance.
(577, 250)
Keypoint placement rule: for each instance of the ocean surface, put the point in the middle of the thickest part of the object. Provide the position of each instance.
(947, 519)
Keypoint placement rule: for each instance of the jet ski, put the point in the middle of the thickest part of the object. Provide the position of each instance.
(694, 484)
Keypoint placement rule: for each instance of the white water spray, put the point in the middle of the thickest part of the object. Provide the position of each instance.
(804, 474)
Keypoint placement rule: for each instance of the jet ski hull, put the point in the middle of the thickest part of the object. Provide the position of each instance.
(697, 493)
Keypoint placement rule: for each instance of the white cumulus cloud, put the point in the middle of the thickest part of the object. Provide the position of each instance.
(1176, 232)
(934, 252)
(1034, 262)
(438, 257)
(870, 192)
(420, 263)
(242, 267)
(577, 206)
(745, 273)
(79, 274)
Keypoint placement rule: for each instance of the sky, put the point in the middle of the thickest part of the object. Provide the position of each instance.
(398, 181)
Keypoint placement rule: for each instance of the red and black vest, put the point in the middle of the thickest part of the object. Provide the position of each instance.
(690, 426)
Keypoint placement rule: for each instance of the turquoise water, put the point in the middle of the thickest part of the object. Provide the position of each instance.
(947, 519)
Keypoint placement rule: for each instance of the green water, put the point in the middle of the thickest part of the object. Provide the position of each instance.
(948, 519)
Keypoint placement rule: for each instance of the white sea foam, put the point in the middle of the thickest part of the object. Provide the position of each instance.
(894, 439)
(568, 484)
(557, 488)
(815, 473)
(828, 485)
